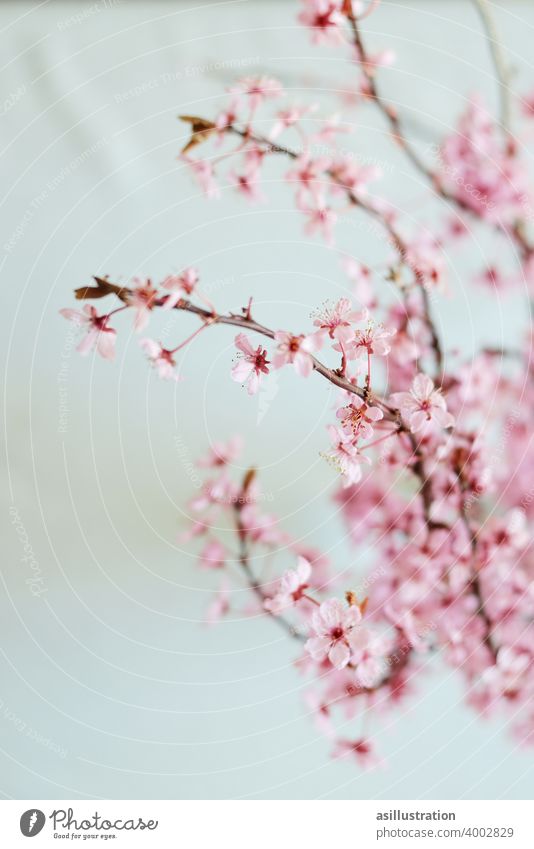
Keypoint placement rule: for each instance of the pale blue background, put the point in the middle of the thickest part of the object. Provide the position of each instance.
(111, 664)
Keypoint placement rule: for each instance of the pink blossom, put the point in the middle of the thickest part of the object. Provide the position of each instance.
(143, 300)
(290, 588)
(321, 713)
(360, 276)
(351, 175)
(258, 89)
(423, 406)
(222, 453)
(288, 118)
(247, 184)
(160, 358)
(322, 219)
(227, 117)
(99, 335)
(297, 350)
(494, 278)
(330, 129)
(483, 173)
(251, 365)
(325, 19)
(261, 528)
(375, 339)
(380, 59)
(219, 606)
(335, 628)
(179, 285)
(425, 257)
(527, 104)
(509, 673)
(358, 417)
(220, 492)
(205, 174)
(337, 320)
(309, 175)
(369, 652)
(213, 555)
(345, 456)
(360, 749)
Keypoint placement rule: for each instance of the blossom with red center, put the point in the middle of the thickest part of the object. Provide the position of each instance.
(334, 627)
(247, 184)
(358, 417)
(258, 89)
(99, 335)
(494, 278)
(309, 175)
(143, 299)
(179, 285)
(290, 588)
(324, 17)
(337, 320)
(426, 259)
(297, 350)
(485, 175)
(222, 453)
(251, 365)
(360, 749)
(161, 359)
(423, 406)
(227, 117)
(375, 339)
(345, 457)
(351, 175)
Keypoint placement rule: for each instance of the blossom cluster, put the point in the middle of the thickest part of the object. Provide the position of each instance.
(433, 450)
(353, 659)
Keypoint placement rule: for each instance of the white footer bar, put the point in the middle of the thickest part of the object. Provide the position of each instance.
(439, 824)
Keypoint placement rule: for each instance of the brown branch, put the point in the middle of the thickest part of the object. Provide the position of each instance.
(244, 561)
(475, 580)
(245, 322)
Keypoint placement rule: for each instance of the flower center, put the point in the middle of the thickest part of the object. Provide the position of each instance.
(294, 344)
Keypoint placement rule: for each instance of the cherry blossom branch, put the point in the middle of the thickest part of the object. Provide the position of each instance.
(245, 322)
(517, 231)
(396, 240)
(475, 580)
(389, 112)
(244, 559)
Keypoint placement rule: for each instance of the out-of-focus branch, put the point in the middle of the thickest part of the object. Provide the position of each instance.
(517, 232)
(502, 69)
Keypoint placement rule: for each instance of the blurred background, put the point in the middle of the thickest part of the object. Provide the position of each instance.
(112, 685)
